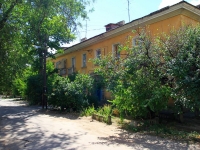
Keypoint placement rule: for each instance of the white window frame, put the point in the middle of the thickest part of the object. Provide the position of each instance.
(84, 62)
(96, 53)
(58, 64)
(73, 65)
(116, 54)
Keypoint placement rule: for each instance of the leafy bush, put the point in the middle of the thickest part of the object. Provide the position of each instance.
(104, 111)
(88, 111)
(34, 89)
(71, 94)
(135, 80)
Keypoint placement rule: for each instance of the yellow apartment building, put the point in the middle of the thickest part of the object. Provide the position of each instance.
(75, 58)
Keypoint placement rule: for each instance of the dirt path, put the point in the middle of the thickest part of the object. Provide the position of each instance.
(27, 128)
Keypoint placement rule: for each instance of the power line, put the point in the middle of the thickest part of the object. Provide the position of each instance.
(93, 29)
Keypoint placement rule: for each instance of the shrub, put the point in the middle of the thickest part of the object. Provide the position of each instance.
(71, 94)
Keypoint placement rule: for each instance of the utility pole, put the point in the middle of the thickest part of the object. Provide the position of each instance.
(44, 94)
(86, 29)
(44, 76)
(128, 10)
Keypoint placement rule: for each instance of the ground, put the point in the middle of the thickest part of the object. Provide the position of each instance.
(29, 128)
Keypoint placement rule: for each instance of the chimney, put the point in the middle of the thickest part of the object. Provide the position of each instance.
(83, 39)
(198, 6)
(112, 26)
(121, 23)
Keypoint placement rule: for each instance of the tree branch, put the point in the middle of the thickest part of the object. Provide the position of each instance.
(6, 14)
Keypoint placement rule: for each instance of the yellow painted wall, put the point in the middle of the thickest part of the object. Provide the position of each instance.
(106, 45)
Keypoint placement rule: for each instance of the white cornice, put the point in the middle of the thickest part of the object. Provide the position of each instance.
(181, 8)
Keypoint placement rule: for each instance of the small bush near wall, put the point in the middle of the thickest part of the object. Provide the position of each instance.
(71, 94)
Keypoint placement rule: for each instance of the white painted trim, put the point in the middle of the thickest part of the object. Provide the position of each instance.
(95, 52)
(74, 62)
(113, 48)
(85, 60)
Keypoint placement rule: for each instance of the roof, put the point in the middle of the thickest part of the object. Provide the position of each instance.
(182, 4)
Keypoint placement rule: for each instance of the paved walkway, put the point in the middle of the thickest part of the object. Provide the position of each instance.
(27, 128)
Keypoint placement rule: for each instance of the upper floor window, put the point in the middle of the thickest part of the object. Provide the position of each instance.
(98, 53)
(58, 64)
(136, 41)
(61, 64)
(116, 52)
(73, 62)
(84, 60)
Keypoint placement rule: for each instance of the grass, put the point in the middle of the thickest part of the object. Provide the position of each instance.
(165, 131)
(168, 130)
(88, 111)
(103, 111)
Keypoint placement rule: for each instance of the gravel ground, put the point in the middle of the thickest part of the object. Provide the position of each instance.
(28, 128)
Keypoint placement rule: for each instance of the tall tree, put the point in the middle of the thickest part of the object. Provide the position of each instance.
(45, 23)
(12, 57)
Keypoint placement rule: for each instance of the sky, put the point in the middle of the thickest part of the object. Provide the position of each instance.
(113, 11)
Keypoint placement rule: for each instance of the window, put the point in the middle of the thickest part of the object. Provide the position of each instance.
(84, 60)
(116, 52)
(98, 53)
(73, 62)
(58, 64)
(63, 63)
(137, 41)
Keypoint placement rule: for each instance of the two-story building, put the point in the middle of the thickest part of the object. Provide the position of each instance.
(75, 58)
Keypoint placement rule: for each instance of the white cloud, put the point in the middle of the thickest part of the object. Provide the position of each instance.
(165, 3)
(195, 2)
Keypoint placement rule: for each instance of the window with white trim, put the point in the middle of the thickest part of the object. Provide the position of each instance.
(116, 52)
(84, 60)
(98, 53)
(73, 62)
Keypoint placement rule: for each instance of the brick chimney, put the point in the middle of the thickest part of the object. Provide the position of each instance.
(112, 26)
(83, 39)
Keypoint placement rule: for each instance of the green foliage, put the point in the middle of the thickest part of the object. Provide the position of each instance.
(28, 83)
(104, 111)
(71, 94)
(89, 111)
(181, 54)
(24, 23)
(34, 90)
(135, 80)
(154, 71)
(164, 131)
(19, 85)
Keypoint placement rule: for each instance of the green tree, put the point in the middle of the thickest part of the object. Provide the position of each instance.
(14, 51)
(182, 63)
(135, 80)
(24, 23)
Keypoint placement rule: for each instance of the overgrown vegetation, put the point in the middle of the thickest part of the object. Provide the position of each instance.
(106, 110)
(169, 131)
(153, 71)
(71, 94)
